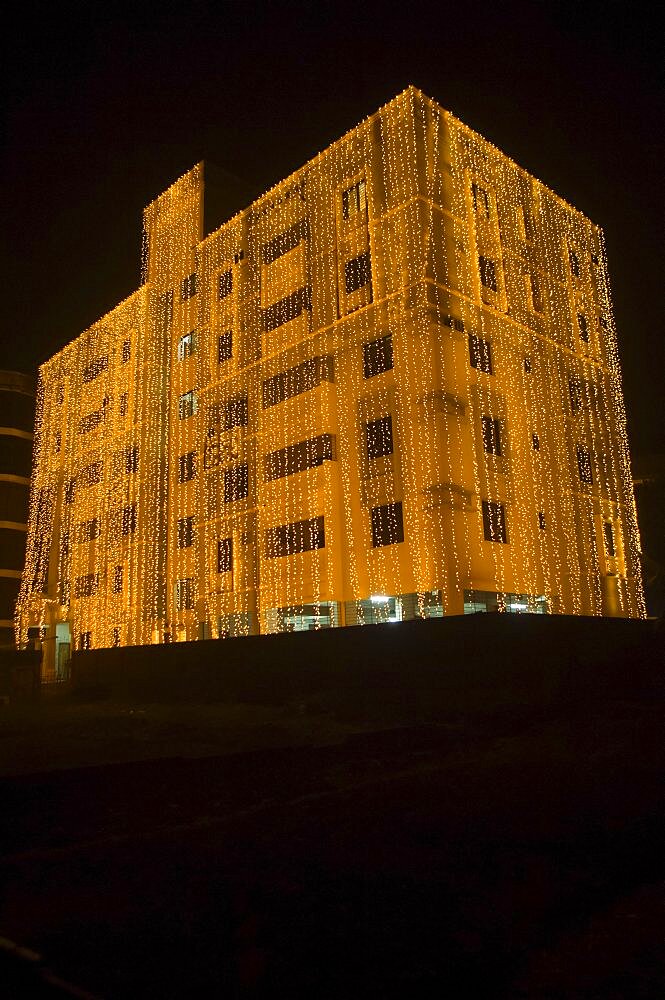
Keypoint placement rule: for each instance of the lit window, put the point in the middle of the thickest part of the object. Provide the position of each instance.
(494, 522)
(186, 346)
(491, 428)
(187, 405)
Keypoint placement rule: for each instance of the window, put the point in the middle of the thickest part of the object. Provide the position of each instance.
(122, 408)
(527, 365)
(126, 351)
(387, 524)
(302, 378)
(95, 369)
(188, 287)
(236, 483)
(86, 586)
(118, 573)
(186, 346)
(583, 327)
(379, 437)
(224, 347)
(287, 309)
(187, 405)
(187, 467)
(185, 532)
(487, 273)
(225, 284)
(354, 201)
(542, 524)
(480, 354)
(536, 293)
(184, 594)
(91, 475)
(584, 468)
(224, 555)
(301, 536)
(298, 457)
(494, 522)
(128, 520)
(132, 459)
(528, 226)
(87, 531)
(576, 394)
(491, 429)
(574, 262)
(235, 412)
(608, 538)
(378, 356)
(535, 442)
(357, 273)
(115, 638)
(85, 640)
(70, 491)
(285, 242)
(481, 201)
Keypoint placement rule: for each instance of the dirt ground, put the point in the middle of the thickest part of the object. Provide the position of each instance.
(245, 851)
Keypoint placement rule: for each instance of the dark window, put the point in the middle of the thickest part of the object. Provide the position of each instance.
(535, 442)
(583, 327)
(225, 284)
(541, 521)
(297, 457)
(378, 356)
(87, 531)
(236, 483)
(224, 347)
(132, 459)
(302, 378)
(123, 404)
(357, 273)
(491, 427)
(86, 586)
(602, 322)
(487, 273)
(387, 524)
(285, 242)
(608, 537)
(480, 354)
(301, 536)
(574, 262)
(184, 594)
(85, 640)
(287, 309)
(494, 522)
(118, 573)
(91, 475)
(186, 467)
(584, 468)
(235, 412)
(70, 490)
(185, 532)
(527, 365)
(115, 638)
(536, 294)
(481, 201)
(128, 520)
(188, 287)
(354, 201)
(379, 437)
(126, 351)
(576, 393)
(92, 420)
(95, 369)
(224, 555)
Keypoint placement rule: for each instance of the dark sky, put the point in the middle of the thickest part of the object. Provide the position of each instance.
(103, 108)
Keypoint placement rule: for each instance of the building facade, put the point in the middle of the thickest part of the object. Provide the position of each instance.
(388, 388)
(17, 415)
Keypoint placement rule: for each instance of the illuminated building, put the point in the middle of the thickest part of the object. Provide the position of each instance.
(17, 414)
(389, 388)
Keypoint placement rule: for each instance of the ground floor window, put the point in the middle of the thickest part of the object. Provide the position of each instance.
(488, 601)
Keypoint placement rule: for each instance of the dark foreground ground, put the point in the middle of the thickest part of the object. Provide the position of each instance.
(249, 851)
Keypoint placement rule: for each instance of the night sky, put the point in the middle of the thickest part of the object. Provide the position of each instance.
(103, 108)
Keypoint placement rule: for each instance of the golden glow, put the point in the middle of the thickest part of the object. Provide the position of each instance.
(171, 415)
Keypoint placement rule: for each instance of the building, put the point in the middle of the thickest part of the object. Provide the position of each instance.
(387, 388)
(17, 415)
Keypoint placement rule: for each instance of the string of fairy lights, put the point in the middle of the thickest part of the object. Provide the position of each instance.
(355, 401)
